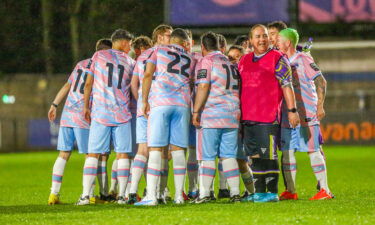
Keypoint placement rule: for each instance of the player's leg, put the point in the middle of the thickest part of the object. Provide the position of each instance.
(157, 138)
(102, 176)
(113, 192)
(179, 142)
(228, 154)
(208, 145)
(65, 145)
(163, 182)
(99, 138)
(289, 143)
(192, 165)
(317, 160)
(223, 184)
(140, 159)
(122, 143)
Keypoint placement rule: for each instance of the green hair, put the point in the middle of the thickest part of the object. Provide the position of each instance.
(290, 34)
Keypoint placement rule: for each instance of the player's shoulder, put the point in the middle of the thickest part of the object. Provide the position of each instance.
(83, 63)
(146, 54)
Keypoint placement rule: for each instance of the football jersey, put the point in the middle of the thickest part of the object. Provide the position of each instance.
(112, 71)
(139, 70)
(172, 77)
(72, 114)
(222, 108)
(304, 71)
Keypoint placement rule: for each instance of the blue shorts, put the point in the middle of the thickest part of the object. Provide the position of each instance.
(67, 136)
(141, 130)
(101, 136)
(302, 139)
(192, 136)
(217, 142)
(168, 125)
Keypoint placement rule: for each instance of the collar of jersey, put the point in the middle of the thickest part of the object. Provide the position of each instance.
(214, 52)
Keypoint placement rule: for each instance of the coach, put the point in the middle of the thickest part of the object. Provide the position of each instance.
(266, 81)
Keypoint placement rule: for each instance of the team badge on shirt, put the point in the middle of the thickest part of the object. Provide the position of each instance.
(202, 74)
(314, 66)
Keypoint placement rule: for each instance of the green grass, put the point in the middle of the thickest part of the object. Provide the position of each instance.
(25, 182)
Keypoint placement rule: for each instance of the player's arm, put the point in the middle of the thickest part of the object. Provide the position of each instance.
(86, 96)
(284, 76)
(58, 99)
(146, 86)
(321, 87)
(203, 82)
(134, 86)
(200, 100)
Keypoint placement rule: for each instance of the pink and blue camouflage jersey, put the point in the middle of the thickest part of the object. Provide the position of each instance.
(222, 108)
(72, 115)
(139, 71)
(304, 71)
(112, 71)
(172, 77)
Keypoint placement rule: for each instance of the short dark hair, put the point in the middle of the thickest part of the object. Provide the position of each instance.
(222, 40)
(210, 41)
(238, 47)
(180, 34)
(142, 42)
(103, 43)
(254, 27)
(279, 25)
(159, 30)
(240, 39)
(121, 34)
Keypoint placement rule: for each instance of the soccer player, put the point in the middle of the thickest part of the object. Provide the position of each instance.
(169, 104)
(73, 126)
(192, 162)
(142, 47)
(222, 43)
(265, 82)
(243, 40)
(109, 75)
(310, 90)
(273, 29)
(235, 53)
(216, 115)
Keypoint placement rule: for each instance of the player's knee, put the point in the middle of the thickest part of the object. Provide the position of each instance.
(122, 156)
(103, 157)
(176, 148)
(65, 155)
(242, 165)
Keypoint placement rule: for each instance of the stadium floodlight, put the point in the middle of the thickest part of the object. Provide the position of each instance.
(9, 99)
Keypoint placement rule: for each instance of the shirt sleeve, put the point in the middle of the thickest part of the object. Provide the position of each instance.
(153, 57)
(203, 71)
(311, 69)
(71, 77)
(283, 72)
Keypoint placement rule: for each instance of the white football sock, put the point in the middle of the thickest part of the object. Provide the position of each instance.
(232, 173)
(92, 190)
(319, 167)
(153, 173)
(57, 175)
(290, 170)
(192, 170)
(222, 178)
(179, 170)
(206, 177)
(123, 172)
(139, 164)
(102, 178)
(113, 188)
(163, 181)
(89, 174)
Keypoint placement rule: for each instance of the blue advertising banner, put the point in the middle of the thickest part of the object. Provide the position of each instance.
(42, 133)
(329, 11)
(226, 12)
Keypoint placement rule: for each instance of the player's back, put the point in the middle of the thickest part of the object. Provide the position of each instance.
(171, 85)
(222, 108)
(72, 115)
(139, 70)
(112, 70)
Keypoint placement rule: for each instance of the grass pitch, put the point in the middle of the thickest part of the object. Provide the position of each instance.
(25, 179)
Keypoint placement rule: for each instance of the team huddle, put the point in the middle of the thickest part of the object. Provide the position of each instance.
(169, 103)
